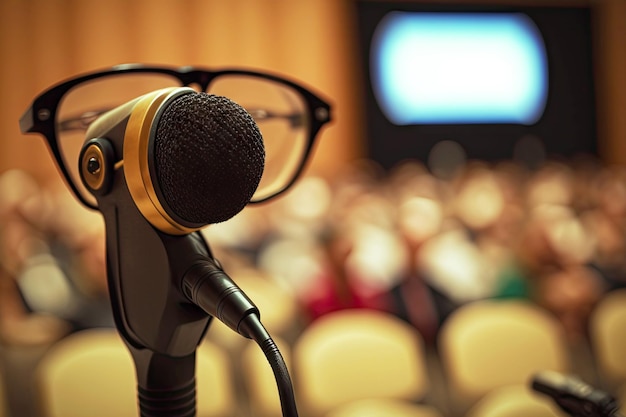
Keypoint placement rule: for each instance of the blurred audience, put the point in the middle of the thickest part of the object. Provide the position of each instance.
(420, 245)
(52, 269)
(23, 205)
(412, 241)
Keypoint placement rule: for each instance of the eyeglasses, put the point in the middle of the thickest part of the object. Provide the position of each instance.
(288, 115)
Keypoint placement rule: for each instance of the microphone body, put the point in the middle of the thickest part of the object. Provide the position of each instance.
(150, 245)
(160, 327)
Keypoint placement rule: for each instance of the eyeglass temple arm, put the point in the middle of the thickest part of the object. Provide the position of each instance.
(27, 121)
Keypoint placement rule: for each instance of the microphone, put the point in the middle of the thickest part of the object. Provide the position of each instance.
(574, 396)
(206, 146)
(161, 167)
(191, 159)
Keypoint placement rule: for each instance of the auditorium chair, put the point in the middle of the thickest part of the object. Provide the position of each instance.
(607, 330)
(516, 400)
(358, 354)
(91, 373)
(488, 344)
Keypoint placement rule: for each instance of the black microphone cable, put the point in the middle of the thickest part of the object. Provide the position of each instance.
(211, 289)
(252, 326)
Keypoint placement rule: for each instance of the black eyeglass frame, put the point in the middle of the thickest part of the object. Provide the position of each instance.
(40, 117)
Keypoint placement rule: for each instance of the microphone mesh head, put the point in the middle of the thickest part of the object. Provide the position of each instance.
(208, 158)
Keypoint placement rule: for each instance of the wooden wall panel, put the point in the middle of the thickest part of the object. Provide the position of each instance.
(45, 41)
(611, 79)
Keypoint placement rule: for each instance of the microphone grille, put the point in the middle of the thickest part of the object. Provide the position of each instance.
(208, 158)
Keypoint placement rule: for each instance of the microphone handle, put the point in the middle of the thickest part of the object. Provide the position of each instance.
(160, 326)
(166, 385)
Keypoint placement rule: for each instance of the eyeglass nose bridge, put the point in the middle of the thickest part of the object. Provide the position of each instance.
(201, 78)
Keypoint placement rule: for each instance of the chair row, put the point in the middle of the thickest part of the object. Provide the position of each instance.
(355, 360)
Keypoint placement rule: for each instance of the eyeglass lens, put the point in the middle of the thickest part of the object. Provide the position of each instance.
(279, 111)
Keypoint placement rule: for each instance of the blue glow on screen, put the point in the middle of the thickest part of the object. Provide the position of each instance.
(452, 68)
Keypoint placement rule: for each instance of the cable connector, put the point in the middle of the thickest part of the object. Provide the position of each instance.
(210, 288)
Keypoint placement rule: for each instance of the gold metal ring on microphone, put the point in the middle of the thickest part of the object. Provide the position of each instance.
(136, 164)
